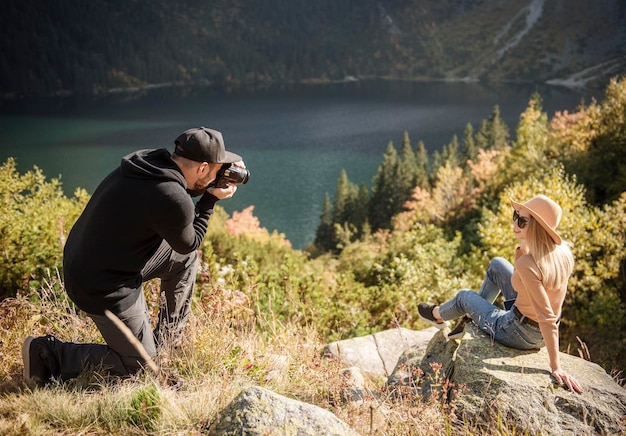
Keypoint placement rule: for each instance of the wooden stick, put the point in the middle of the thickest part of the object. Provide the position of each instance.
(137, 345)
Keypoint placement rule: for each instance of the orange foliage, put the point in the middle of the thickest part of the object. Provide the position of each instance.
(418, 209)
(487, 165)
(244, 223)
(450, 194)
(572, 131)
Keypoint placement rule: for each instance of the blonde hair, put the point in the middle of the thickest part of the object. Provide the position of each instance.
(556, 262)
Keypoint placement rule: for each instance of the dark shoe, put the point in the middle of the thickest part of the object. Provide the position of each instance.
(425, 311)
(39, 362)
(459, 330)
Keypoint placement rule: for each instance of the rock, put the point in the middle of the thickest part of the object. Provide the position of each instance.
(491, 382)
(423, 369)
(257, 411)
(355, 390)
(353, 377)
(378, 354)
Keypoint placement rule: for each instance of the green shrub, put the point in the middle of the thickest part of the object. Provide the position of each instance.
(276, 279)
(36, 218)
(145, 408)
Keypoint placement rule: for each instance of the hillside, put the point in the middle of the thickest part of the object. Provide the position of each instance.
(86, 47)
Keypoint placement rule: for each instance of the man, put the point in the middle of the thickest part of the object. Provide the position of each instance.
(141, 223)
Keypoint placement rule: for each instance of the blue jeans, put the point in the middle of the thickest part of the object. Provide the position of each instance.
(502, 325)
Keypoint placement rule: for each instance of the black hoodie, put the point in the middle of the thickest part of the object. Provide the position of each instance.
(132, 211)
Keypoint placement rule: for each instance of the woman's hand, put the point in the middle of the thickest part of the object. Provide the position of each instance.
(565, 379)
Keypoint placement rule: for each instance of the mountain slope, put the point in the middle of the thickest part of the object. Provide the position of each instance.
(78, 46)
(522, 40)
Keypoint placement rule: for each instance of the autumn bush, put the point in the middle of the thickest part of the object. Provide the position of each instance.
(36, 217)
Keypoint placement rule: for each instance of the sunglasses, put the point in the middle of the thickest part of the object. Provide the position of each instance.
(521, 221)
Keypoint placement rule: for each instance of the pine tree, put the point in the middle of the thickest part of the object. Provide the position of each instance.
(482, 139)
(407, 169)
(499, 130)
(531, 148)
(343, 198)
(360, 207)
(437, 162)
(421, 160)
(468, 145)
(493, 133)
(324, 235)
(383, 202)
(451, 153)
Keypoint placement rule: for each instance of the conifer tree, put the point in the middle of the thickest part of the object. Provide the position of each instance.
(451, 153)
(499, 129)
(468, 145)
(360, 207)
(407, 169)
(324, 235)
(531, 148)
(343, 199)
(482, 139)
(383, 202)
(437, 162)
(493, 133)
(421, 160)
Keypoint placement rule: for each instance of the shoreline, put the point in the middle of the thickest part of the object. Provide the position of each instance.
(568, 83)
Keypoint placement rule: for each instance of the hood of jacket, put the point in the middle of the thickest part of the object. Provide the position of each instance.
(152, 164)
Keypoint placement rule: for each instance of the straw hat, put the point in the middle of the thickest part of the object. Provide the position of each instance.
(545, 211)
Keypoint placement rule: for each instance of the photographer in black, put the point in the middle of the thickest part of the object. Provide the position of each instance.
(141, 223)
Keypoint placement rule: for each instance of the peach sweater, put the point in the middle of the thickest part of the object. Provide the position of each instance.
(538, 303)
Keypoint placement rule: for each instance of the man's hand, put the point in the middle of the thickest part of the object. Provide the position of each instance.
(229, 190)
(239, 164)
(223, 193)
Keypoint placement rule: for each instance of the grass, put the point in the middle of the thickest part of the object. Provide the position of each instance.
(225, 351)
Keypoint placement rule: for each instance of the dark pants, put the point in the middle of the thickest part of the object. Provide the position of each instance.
(118, 357)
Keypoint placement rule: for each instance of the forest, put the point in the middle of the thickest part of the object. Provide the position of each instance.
(94, 47)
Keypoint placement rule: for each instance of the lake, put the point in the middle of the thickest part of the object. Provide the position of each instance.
(295, 139)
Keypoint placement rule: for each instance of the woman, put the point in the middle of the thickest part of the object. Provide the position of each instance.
(536, 284)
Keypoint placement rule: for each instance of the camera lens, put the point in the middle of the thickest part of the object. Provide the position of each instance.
(231, 174)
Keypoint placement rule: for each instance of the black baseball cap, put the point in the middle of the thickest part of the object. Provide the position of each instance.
(201, 144)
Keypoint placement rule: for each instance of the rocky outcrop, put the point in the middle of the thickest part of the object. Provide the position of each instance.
(488, 382)
(377, 354)
(485, 383)
(257, 411)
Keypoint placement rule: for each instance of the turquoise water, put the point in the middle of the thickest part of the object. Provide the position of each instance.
(294, 139)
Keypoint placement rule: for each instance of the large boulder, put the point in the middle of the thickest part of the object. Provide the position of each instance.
(257, 411)
(377, 354)
(489, 382)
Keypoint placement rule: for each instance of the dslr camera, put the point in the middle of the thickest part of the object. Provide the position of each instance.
(229, 173)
